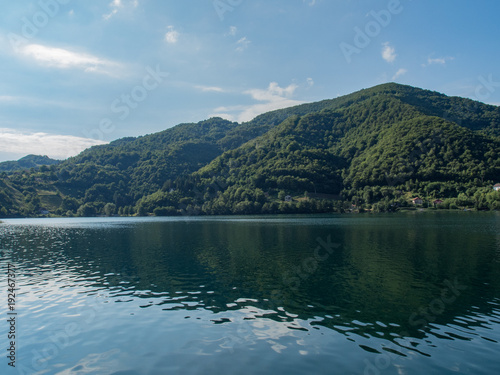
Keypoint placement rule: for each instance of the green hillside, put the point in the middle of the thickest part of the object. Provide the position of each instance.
(27, 162)
(371, 150)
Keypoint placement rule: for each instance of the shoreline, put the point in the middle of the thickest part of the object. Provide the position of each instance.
(350, 212)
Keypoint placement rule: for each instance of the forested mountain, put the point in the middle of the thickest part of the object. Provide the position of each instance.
(27, 162)
(373, 149)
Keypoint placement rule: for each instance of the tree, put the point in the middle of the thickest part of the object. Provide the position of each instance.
(165, 211)
(281, 195)
(141, 210)
(86, 210)
(70, 204)
(109, 209)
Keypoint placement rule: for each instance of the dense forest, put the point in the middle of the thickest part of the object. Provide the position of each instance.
(375, 149)
(27, 162)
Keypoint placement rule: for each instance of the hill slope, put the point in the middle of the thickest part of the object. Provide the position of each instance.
(374, 148)
(27, 162)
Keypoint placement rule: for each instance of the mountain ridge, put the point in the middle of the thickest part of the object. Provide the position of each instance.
(27, 162)
(374, 149)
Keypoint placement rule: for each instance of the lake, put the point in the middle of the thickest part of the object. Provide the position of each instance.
(406, 293)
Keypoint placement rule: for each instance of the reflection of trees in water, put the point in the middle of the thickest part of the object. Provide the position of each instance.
(384, 272)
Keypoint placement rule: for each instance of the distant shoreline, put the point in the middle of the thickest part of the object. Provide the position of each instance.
(354, 212)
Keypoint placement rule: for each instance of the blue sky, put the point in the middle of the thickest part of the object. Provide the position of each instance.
(79, 73)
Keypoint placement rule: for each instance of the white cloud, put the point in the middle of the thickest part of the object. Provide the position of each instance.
(172, 36)
(242, 44)
(115, 6)
(65, 59)
(399, 73)
(272, 98)
(118, 5)
(7, 98)
(437, 61)
(53, 145)
(219, 112)
(310, 82)
(388, 52)
(45, 101)
(209, 88)
(233, 30)
(272, 93)
(310, 2)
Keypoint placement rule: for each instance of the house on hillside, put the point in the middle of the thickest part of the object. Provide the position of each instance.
(416, 201)
(436, 202)
(496, 187)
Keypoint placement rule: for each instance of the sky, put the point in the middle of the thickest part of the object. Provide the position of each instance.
(79, 73)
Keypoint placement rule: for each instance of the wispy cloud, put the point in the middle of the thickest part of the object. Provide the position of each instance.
(45, 102)
(172, 36)
(117, 5)
(437, 61)
(399, 73)
(232, 30)
(242, 44)
(209, 88)
(64, 59)
(7, 98)
(272, 98)
(53, 145)
(273, 92)
(388, 52)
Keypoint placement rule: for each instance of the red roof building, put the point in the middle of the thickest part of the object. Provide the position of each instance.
(417, 200)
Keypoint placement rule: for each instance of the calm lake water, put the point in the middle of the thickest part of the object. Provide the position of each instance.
(415, 293)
